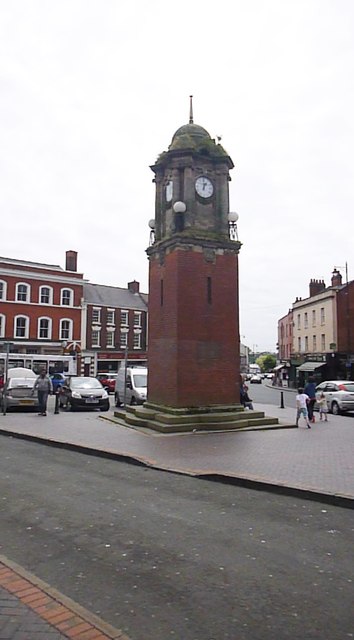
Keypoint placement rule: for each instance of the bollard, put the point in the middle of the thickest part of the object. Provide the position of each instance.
(282, 400)
(56, 408)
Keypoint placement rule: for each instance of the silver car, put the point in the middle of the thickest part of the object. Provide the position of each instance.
(339, 395)
(19, 393)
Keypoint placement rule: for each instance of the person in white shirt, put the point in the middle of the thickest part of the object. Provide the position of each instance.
(302, 400)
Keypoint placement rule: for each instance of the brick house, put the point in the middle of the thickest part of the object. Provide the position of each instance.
(114, 327)
(323, 339)
(40, 305)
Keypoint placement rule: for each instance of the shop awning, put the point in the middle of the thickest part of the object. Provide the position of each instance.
(279, 366)
(310, 366)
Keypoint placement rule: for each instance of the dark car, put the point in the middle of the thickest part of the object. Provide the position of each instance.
(83, 393)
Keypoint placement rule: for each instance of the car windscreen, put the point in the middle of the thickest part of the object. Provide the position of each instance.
(85, 383)
(140, 380)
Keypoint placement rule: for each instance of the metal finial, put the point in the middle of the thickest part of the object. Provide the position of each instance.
(190, 109)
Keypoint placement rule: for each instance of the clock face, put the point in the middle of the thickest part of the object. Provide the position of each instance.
(204, 187)
(169, 191)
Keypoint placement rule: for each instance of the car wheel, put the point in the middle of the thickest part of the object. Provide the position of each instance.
(335, 409)
(105, 408)
(133, 401)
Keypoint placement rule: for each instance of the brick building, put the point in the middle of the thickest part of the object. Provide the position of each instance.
(322, 340)
(40, 305)
(115, 325)
(48, 310)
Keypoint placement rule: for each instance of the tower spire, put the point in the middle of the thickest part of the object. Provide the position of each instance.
(190, 109)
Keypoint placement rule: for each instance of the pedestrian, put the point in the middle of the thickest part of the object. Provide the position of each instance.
(244, 397)
(322, 406)
(302, 401)
(310, 390)
(44, 387)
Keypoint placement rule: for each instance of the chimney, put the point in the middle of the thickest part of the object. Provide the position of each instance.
(316, 286)
(134, 286)
(71, 261)
(336, 278)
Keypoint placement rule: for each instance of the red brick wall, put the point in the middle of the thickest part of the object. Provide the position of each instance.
(193, 348)
(345, 318)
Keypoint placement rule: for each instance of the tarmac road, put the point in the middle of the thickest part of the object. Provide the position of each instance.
(161, 555)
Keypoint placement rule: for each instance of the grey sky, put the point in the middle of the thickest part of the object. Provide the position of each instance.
(91, 91)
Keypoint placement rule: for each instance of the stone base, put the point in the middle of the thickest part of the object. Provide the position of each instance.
(175, 420)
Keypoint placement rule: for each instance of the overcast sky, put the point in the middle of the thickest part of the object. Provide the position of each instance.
(91, 91)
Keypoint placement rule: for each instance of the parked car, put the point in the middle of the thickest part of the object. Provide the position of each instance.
(18, 390)
(339, 395)
(81, 392)
(256, 379)
(108, 381)
(135, 391)
(58, 380)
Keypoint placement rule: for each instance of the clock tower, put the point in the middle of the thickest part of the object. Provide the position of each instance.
(193, 350)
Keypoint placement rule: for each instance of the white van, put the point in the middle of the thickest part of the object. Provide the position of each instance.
(131, 385)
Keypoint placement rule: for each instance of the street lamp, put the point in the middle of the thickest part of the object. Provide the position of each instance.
(232, 220)
(179, 208)
(152, 231)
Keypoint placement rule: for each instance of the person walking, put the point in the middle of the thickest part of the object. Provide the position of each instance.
(44, 387)
(244, 397)
(310, 390)
(302, 401)
(322, 406)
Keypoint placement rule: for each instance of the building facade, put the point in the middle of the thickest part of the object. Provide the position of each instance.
(322, 333)
(40, 305)
(48, 310)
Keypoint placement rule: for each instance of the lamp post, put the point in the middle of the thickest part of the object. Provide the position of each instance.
(7, 346)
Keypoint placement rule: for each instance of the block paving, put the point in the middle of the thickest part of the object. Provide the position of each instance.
(32, 610)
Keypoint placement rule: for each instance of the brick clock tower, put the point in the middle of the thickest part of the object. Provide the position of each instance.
(193, 345)
(193, 351)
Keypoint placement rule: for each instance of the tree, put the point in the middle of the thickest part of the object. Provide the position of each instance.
(266, 362)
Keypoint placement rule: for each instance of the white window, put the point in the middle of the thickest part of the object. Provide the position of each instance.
(67, 297)
(110, 338)
(95, 338)
(22, 292)
(2, 290)
(298, 321)
(322, 315)
(323, 342)
(137, 318)
(137, 341)
(66, 329)
(44, 328)
(299, 344)
(21, 327)
(45, 295)
(124, 318)
(110, 316)
(123, 340)
(306, 343)
(314, 318)
(96, 315)
(2, 325)
(314, 343)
